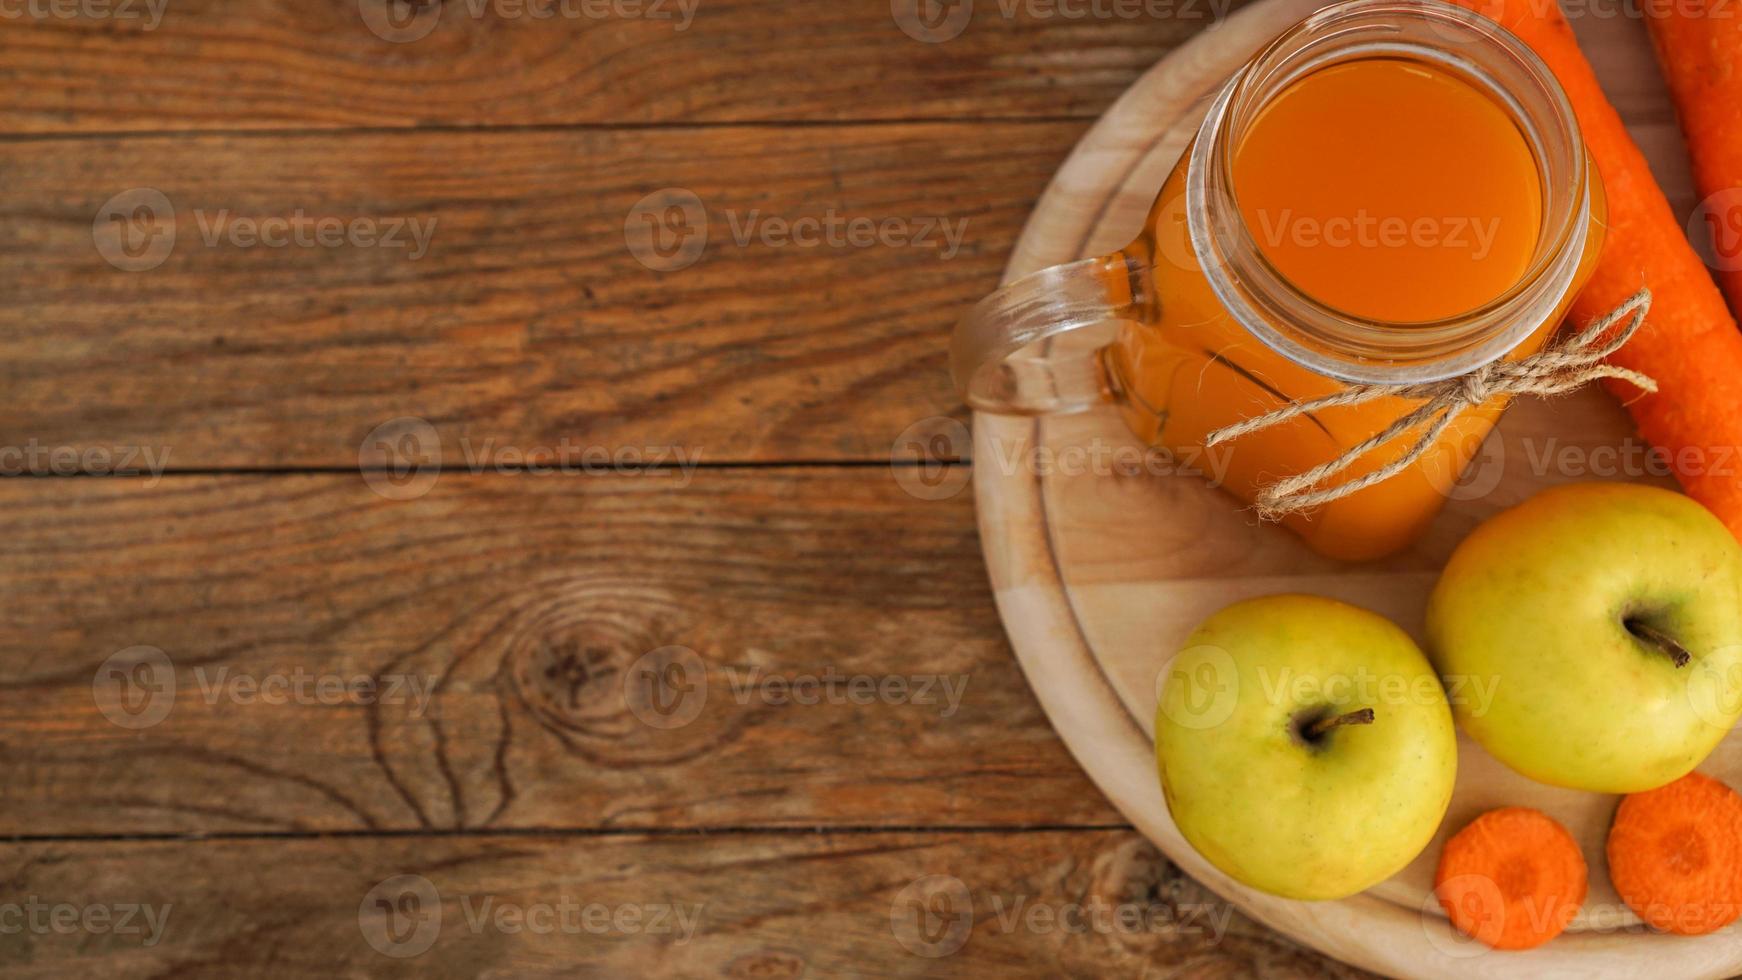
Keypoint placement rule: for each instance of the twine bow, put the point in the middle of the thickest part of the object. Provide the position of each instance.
(1556, 369)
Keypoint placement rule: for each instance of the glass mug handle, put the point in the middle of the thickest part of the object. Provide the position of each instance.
(1001, 357)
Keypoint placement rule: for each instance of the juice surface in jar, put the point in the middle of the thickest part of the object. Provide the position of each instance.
(1386, 189)
(1390, 189)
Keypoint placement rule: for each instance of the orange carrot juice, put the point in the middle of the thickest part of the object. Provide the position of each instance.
(1385, 190)
(1391, 190)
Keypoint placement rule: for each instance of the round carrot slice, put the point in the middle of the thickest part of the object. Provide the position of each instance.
(1675, 855)
(1512, 879)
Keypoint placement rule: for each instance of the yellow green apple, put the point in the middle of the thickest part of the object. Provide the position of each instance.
(1305, 745)
(1607, 620)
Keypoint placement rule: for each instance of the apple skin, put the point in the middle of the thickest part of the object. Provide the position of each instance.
(1307, 820)
(1533, 603)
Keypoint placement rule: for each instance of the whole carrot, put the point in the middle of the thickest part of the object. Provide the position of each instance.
(1689, 342)
(1699, 48)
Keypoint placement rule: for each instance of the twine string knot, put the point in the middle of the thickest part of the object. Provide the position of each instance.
(1559, 368)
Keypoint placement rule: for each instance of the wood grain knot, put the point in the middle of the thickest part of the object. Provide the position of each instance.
(614, 672)
(569, 663)
(1172, 908)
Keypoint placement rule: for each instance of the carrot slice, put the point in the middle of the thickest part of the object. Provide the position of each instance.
(1689, 343)
(1512, 879)
(1675, 855)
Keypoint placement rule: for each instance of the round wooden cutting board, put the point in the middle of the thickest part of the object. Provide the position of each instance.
(1100, 571)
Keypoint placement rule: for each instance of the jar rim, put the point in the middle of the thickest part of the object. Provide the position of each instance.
(1359, 349)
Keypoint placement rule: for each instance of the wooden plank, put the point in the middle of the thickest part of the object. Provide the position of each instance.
(528, 319)
(212, 65)
(278, 64)
(812, 325)
(831, 657)
(723, 905)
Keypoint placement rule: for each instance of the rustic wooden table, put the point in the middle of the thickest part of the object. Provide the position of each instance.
(506, 572)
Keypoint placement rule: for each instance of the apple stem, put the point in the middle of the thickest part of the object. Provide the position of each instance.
(1656, 637)
(1318, 728)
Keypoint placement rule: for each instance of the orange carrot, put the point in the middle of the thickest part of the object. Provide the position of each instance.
(1689, 342)
(1512, 879)
(1699, 48)
(1675, 855)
